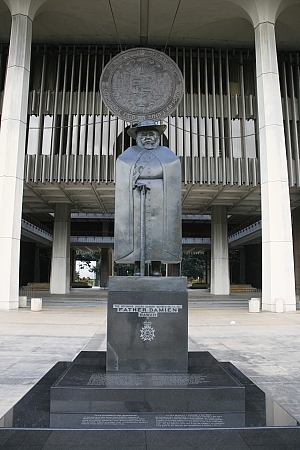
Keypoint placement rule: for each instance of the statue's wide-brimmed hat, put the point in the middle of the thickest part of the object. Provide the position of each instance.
(144, 126)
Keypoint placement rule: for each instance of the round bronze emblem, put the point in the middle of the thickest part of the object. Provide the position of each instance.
(140, 84)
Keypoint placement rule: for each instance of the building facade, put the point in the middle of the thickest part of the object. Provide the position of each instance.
(235, 132)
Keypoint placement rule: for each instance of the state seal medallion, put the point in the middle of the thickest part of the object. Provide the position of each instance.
(140, 84)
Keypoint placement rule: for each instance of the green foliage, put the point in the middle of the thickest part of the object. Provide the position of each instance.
(86, 258)
(45, 255)
(234, 263)
(234, 257)
(194, 265)
(124, 270)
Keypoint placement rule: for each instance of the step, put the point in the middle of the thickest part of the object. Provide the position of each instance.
(85, 395)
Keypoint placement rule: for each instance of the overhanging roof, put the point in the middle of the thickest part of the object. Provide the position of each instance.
(212, 23)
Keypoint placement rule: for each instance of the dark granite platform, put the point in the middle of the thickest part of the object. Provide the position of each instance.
(27, 425)
(241, 439)
(86, 396)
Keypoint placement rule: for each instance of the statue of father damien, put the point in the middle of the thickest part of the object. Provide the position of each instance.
(148, 201)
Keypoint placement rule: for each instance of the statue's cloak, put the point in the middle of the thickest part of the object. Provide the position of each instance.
(160, 170)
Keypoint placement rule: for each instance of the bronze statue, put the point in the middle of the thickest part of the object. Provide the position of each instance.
(148, 201)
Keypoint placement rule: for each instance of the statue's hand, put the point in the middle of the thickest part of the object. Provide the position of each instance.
(141, 187)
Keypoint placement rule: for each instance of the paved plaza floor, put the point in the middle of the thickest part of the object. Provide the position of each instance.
(264, 346)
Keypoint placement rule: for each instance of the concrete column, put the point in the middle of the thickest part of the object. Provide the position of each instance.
(207, 277)
(242, 266)
(219, 251)
(12, 151)
(60, 266)
(296, 240)
(12, 145)
(104, 267)
(72, 265)
(111, 262)
(277, 245)
(106, 262)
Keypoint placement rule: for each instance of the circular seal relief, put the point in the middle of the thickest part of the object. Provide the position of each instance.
(140, 84)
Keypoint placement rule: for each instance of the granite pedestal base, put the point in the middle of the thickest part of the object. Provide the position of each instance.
(86, 396)
(27, 425)
(147, 324)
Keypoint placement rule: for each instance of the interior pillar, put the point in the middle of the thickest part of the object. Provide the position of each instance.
(13, 143)
(219, 251)
(111, 262)
(277, 245)
(104, 268)
(72, 265)
(207, 278)
(12, 151)
(60, 266)
(242, 266)
(296, 241)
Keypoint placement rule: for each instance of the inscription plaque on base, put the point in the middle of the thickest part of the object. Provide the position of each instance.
(207, 396)
(147, 324)
(150, 420)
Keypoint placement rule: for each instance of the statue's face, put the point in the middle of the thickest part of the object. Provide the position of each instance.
(147, 139)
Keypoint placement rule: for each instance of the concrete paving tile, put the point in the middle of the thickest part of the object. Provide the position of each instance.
(93, 345)
(10, 381)
(264, 346)
(3, 410)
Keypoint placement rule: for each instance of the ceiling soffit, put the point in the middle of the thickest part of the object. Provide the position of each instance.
(140, 22)
(212, 23)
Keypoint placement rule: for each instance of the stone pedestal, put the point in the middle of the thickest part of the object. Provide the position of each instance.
(147, 324)
(86, 396)
(254, 305)
(36, 304)
(22, 301)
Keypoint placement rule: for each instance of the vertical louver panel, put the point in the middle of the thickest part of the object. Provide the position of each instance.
(72, 137)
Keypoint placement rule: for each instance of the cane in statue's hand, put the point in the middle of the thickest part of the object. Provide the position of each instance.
(143, 188)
